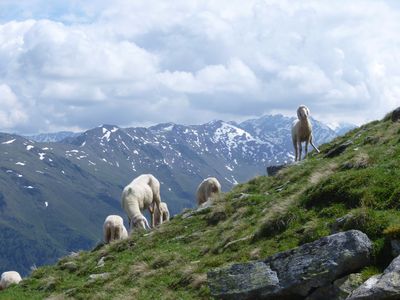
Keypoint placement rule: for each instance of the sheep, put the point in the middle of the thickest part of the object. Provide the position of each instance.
(302, 132)
(164, 214)
(114, 229)
(207, 189)
(141, 194)
(9, 278)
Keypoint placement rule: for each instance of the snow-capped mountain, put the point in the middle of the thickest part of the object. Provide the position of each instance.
(54, 196)
(51, 137)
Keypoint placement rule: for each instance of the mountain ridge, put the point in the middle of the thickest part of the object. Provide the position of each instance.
(352, 184)
(60, 181)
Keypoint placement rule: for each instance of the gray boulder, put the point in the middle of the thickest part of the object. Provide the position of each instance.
(385, 286)
(294, 274)
(336, 151)
(273, 170)
(340, 289)
(396, 115)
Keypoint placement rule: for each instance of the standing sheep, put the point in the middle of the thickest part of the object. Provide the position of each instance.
(207, 189)
(302, 132)
(141, 194)
(114, 229)
(9, 278)
(164, 214)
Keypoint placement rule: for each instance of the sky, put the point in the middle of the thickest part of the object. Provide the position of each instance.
(74, 65)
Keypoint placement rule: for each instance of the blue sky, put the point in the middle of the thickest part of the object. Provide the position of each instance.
(72, 65)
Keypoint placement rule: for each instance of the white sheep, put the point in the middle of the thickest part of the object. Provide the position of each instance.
(9, 278)
(164, 214)
(302, 132)
(114, 229)
(207, 189)
(141, 194)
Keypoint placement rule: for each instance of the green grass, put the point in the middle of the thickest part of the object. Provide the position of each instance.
(256, 219)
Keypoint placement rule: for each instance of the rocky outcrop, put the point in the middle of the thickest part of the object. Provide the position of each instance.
(340, 289)
(296, 273)
(272, 170)
(385, 286)
(396, 115)
(336, 151)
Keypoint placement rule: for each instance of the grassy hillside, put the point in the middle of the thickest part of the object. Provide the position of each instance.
(256, 219)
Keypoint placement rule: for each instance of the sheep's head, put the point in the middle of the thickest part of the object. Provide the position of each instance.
(303, 112)
(140, 222)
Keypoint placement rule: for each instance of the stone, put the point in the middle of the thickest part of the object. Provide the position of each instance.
(94, 277)
(395, 244)
(385, 286)
(396, 115)
(101, 262)
(70, 266)
(336, 151)
(339, 223)
(340, 289)
(296, 273)
(216, 216)
(241, 196)
(273, 170)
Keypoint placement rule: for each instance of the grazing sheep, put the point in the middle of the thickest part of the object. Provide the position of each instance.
(141, 194)
(302, 132)
(164, 214)
(9, 278)
(114, 229)
(208, 188)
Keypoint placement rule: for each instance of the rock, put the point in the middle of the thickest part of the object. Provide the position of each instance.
(202, 209)
(336, 151)
(94, 277)
(295, 273)
(241, 196)
(272, 170)
(396, 115)
(243, 281)
(340, 222)
(339, 289)
(379, 287)
(71, 266)
(371, 140)
(101, 262)
(395, 247)
(215, 217)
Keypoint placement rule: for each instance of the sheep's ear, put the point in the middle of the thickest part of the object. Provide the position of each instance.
(298, 113)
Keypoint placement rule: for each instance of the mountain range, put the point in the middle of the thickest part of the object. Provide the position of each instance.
(56, 189)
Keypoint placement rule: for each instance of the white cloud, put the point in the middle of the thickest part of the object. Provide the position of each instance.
(84, 63)
(11, 111)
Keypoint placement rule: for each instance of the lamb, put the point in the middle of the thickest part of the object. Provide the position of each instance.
(114, 229)
(302, 132)
(207, 190)
(164, 214)
(9, 278)
(141, 194)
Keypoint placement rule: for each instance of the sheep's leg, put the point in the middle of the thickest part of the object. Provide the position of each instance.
(107, 236)
(300, 150)
(157, 203)
(152, 219)
(295, 150)
(112, 234)
(160, 219)
(130, 224)
(306, 150)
